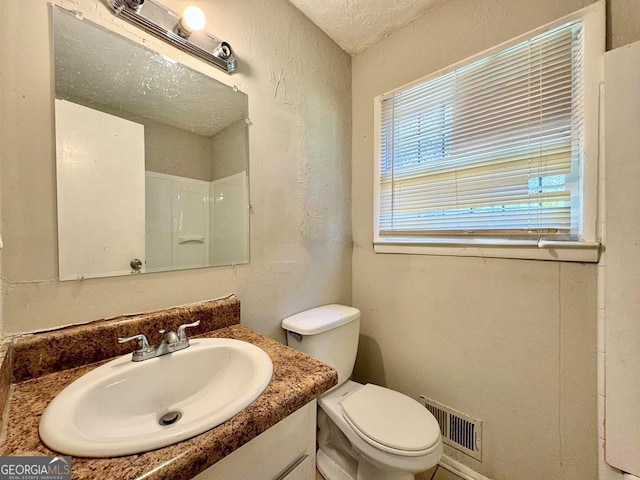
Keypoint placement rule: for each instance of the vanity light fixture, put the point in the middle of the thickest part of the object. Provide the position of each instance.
(182, 31)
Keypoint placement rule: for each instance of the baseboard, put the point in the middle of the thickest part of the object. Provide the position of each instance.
(460, 469)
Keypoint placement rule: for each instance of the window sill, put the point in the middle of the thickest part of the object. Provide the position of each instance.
(588, 252)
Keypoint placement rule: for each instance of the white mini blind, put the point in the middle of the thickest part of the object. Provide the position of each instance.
(492, 149)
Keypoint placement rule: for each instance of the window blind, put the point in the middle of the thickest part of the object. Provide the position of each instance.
(491, 149)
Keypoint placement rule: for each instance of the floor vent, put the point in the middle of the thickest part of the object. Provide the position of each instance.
(458, 430)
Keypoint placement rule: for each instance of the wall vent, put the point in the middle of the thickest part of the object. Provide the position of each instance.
(458, 430)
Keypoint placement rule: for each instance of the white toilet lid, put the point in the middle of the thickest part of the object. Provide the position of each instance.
(391, 419)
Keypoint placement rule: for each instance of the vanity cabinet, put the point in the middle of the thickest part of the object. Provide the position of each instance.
(286, 451)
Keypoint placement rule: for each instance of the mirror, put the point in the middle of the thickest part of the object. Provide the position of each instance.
(151, 158)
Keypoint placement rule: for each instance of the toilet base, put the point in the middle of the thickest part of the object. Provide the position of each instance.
(336, 458)
(368, 471)
(363, 470)
(332, 470)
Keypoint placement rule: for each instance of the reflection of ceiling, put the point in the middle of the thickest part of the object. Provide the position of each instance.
(103, 68)
(358, 24)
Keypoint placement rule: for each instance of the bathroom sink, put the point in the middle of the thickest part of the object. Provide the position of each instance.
(125, 407)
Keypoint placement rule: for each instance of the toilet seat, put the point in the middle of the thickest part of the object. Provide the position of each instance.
(391, 421)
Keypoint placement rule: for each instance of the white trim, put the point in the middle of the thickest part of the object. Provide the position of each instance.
(588, 249)
(593, 18)
(517, 249)
(377, 154)
(460, 469)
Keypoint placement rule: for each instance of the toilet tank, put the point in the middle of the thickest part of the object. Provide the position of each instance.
(329, 333)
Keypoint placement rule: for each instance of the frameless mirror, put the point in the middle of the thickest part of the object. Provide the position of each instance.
(151, 158)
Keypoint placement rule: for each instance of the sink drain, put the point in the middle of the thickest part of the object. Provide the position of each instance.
(170, 418)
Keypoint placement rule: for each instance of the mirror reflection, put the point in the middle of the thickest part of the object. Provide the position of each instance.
(151, 158)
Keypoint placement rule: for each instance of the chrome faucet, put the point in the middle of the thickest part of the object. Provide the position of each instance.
(171, 342)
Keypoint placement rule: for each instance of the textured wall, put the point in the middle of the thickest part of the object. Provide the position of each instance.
(510, 342)
(298, 82)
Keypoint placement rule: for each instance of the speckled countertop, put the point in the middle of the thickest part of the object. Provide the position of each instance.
(297, 380)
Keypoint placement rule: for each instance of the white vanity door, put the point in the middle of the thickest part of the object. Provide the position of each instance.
(101, 201)
(286, 451)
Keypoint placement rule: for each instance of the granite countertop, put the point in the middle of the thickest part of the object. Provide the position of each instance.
(297, 380)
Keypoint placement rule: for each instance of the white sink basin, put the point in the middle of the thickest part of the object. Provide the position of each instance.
(117, 408)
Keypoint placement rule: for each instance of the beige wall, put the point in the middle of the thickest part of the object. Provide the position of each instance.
(510, 342)
(623, 22)
(174, 151)
(229, 150)
(298, 82)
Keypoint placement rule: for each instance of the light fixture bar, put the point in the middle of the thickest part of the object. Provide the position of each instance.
(161, 22)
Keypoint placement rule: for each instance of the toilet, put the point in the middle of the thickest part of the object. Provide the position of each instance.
(365, 432)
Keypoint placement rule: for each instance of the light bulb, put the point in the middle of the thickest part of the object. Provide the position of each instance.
(193, 19)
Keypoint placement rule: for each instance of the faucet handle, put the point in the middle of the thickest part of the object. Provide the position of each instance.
(182, 335)
(144, 350)
(143, 343)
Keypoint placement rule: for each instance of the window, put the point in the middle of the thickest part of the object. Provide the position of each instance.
(499, 151)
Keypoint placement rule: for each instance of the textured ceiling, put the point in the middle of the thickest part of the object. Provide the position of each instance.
(358, 24)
